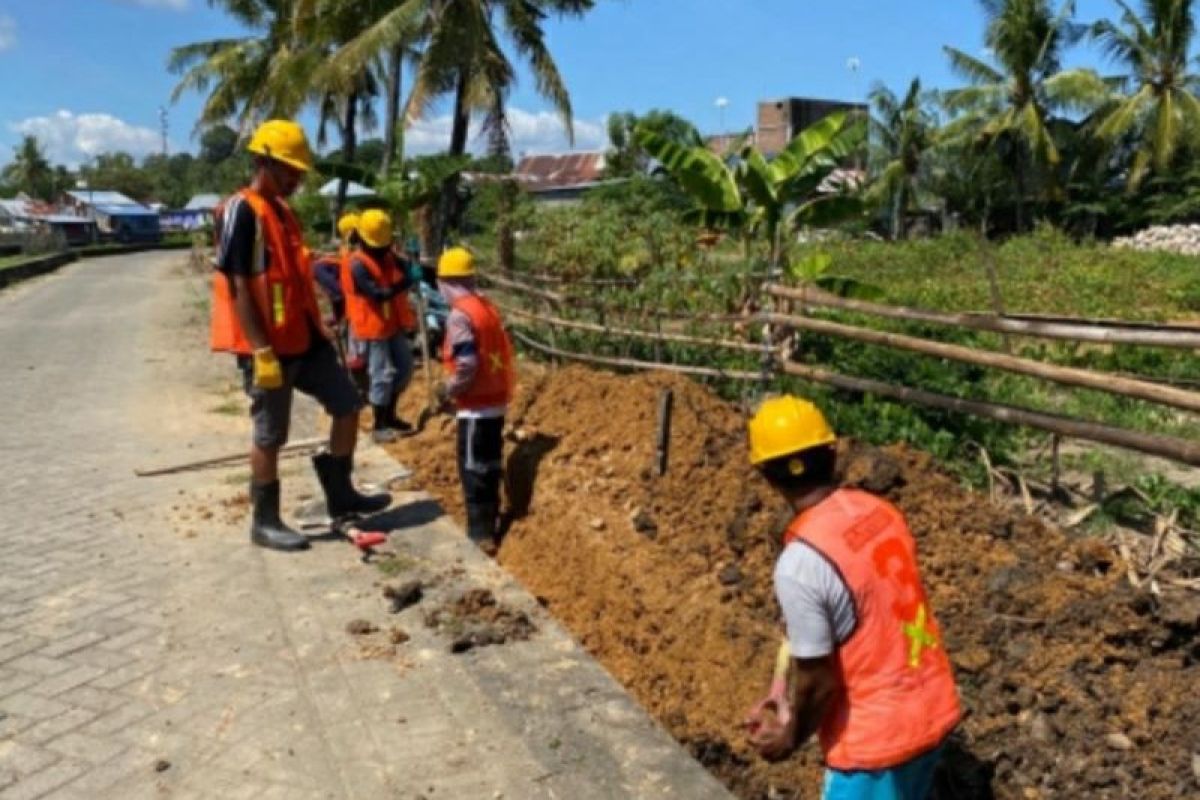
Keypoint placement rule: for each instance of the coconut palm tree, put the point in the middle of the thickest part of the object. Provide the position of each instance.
(1161, 110)
(464, 55)
(245, 78)
(902, 130)
(30, 171)
(1009, 103)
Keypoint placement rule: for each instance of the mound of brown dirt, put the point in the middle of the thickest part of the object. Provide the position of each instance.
(1074, 686)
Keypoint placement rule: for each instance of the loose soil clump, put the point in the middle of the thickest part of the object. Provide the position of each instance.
(1074, 684)
(476, 619)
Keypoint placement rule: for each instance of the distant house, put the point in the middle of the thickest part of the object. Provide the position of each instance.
(778, 121)
(196, 215)
(116, 216)
(561, 178)
(24, 215)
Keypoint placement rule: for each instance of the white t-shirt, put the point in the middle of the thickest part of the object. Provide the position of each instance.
(818, 606)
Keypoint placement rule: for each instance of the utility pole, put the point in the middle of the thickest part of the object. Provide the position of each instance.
(162, 118)
(854, 65)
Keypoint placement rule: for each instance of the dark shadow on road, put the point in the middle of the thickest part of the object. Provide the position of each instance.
(410, 515)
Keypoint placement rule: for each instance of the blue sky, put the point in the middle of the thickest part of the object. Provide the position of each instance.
(88, 76)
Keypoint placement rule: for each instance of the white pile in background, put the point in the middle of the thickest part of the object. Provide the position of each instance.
(1183, 239)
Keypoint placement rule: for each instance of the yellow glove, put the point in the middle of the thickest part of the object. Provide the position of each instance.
(268, 372)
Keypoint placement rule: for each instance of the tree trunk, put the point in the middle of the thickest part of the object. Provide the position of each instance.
(390, 133)
(458, 146)
(505, 241)
(349, 145)
(1020, 175)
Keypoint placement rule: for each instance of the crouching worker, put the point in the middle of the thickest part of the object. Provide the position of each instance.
(264, 310)
(381, 318)
(868, 671)
(478, 359)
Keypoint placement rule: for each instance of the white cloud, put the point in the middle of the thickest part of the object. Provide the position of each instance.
(8, 32)
(529, 132)
(176, 5)
(71, 139)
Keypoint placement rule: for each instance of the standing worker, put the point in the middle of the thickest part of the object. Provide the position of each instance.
(264, 310)
(478, 359)
(381, 319)
(867, 665)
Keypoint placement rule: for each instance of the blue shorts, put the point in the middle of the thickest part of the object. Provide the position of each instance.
(909, 781)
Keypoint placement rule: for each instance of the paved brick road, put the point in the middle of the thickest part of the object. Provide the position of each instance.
(147, 651)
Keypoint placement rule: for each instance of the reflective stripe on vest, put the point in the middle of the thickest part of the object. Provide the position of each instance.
(898, 698)
(370, 320)
(495, 377)
(283, 292)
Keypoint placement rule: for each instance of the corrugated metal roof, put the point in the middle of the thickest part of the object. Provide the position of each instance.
(203, 202)
(542, 172)
(122, 210)
(101, 197)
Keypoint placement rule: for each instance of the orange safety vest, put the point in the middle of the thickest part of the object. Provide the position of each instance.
(496, 376)
(370, 320)
(897, 700)
(283, 293)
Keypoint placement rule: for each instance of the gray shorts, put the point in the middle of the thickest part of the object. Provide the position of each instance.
(317, 373)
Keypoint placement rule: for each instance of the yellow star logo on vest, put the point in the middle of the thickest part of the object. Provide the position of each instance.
(496, 362)
(919, 637)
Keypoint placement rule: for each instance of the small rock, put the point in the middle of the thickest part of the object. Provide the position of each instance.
(1196, 766)
(1041, 729)
(644, 524)
(403, 596)
(597, 524)
(398, 636)
(162, 765)
(1118, 741)
(730, 576)
(360, 627)
(1065, 566)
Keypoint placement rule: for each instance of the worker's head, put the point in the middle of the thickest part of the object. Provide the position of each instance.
(347, 228)
(456, 268)
(793, 447)
(282, 156)
(375, 230)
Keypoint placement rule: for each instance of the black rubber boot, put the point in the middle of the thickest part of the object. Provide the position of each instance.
(481, 526)
(394, 422)
(266, 528)
(341, 498)
(381, 430)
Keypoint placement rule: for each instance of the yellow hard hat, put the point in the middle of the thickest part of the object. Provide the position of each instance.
(457, 262)
(786, 425)
(284, 141)
(347, 224)
(375, 228)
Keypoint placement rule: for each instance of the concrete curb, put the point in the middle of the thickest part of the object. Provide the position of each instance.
(34, 268)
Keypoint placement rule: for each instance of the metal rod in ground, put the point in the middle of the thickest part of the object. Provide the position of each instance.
(665, 402)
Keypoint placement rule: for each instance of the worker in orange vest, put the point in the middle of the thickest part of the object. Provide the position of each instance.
(868, 670)
(381, 318)
(478, 359)
(264, 310)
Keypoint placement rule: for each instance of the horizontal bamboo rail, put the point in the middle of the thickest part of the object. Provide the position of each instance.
(629, 363)
(1077, 332)
(1071, 376)
(1173, 448)
(593, 327)
(557, 298)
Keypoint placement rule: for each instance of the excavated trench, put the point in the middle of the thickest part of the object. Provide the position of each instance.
(1074, 685)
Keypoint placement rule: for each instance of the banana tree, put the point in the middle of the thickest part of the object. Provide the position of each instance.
(756, 195)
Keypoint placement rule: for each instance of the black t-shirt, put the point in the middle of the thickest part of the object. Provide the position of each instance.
(237, 238)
